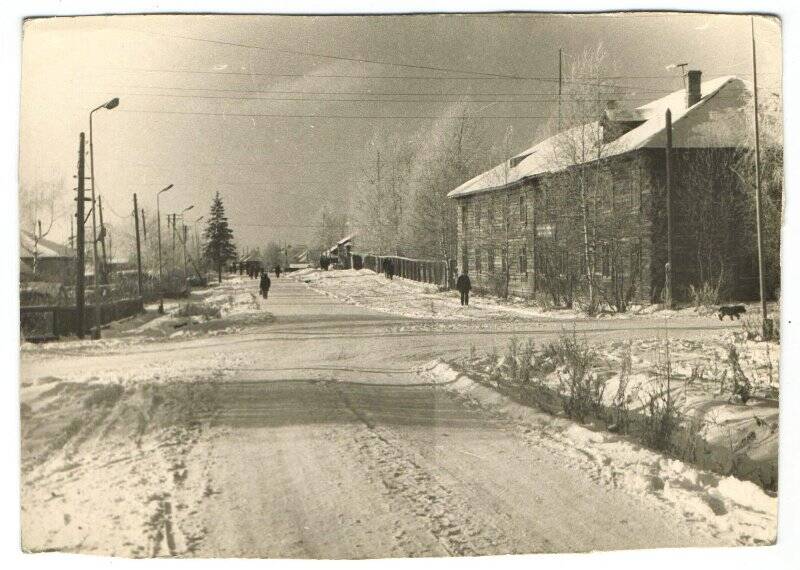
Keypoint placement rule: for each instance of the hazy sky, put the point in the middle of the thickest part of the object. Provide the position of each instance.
(211, 115)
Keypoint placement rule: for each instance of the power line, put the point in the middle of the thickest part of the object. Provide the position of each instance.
(324, 56)
(384, 100)
(368, 92)
(352, 100)
(320, 116)
(404, 77)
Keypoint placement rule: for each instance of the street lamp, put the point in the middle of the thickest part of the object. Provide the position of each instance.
(97, 297)
(160, 274)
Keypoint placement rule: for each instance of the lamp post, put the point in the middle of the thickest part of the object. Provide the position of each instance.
(160, 274)
(97, 296)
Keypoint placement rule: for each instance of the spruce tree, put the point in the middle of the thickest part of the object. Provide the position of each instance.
(219, 247)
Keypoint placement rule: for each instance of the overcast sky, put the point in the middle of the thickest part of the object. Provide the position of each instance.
(203, 98)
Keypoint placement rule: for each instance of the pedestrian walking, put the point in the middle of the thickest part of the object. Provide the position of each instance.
(277, 271)
(264, 285)
(390, 269)
(464, 285)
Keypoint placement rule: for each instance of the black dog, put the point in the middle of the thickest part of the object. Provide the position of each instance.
(731, 311)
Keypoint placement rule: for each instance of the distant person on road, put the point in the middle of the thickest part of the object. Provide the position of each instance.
(264, 285)
(463, 284)
(390, 269)
(277, 271)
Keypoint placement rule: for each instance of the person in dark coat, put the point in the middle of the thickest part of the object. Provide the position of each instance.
(264, 284)
(463, 284)
(277, 271)
(390, 269)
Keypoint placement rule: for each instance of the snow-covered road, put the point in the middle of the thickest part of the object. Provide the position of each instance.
(314, 435)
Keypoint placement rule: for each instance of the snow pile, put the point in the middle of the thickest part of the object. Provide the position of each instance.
(213, 311)
(725, 394)
(736, 511)
(407, 298)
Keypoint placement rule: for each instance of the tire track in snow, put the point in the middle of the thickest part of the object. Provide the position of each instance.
(444, 513)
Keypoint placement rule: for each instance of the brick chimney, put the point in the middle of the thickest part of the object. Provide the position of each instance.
(693, 94)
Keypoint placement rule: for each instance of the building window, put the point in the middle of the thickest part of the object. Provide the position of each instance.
(490, 211)
(605, 260)
(523, 211)
(477, 215)
(545, 230)
(523, 261)
(636, 258)
(463, 216)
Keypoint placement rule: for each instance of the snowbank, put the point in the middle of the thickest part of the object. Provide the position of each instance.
(365, 288)
(736, 510)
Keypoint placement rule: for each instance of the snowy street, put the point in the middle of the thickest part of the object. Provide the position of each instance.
(318, 428)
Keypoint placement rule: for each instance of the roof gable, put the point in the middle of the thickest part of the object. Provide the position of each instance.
(713, 122)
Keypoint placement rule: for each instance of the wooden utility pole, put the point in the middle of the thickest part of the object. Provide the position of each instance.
(80, 219)
(668, 168)
(766, 323)
(185, 273)
(138, 252)
(144, 227)
(104, 272)
(560, 74)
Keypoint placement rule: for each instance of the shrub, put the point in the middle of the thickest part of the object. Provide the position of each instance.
(661, 416)
(498, 285)
(707, 294)
(580, 386)
(622, 398)
(199, 310)
(742, 387)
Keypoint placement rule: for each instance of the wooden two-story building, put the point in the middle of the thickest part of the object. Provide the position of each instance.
(597, 192)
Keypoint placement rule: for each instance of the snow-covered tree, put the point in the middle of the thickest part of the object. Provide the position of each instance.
(219, 247)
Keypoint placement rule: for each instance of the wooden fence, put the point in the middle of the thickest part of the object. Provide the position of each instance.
(437, 272)
(45, 322)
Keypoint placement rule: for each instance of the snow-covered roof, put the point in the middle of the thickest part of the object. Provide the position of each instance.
(716, 121)
(44, 249)
(345, 240)
(342, 241)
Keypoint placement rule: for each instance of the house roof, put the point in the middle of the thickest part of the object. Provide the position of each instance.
(45, 247)
(342, 241)
(715, 121)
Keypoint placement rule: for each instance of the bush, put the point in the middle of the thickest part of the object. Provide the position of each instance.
(199, 310)
(742, 387)
(661, 416)
(498, 285)
(580, 386)
(707, 294)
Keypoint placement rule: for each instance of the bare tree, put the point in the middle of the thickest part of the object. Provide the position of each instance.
(447, 155)
(37, 210)
(578, 149)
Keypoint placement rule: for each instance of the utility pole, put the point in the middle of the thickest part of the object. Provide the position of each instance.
(668, 168)
(560, 74)
(185, 274)
(102, 238)
(172, 256)
(138, 252)
(766, 323)
(81, 219)
(144, 227)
